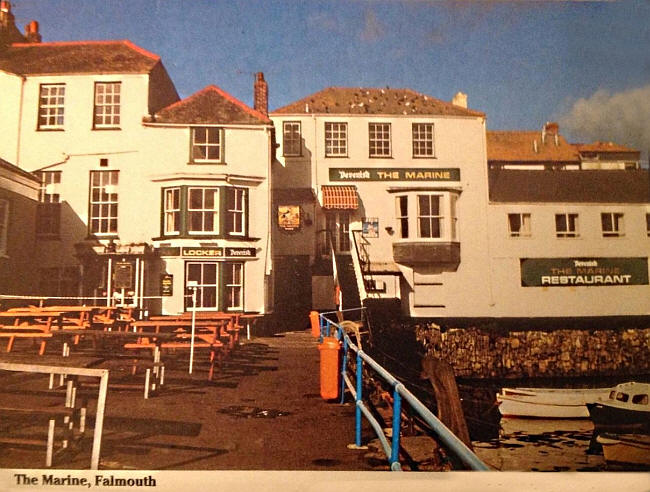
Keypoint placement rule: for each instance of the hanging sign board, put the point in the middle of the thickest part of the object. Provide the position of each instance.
(123, 276)
(166, 285)
(289, 217)
(370, 227)
(583, 272)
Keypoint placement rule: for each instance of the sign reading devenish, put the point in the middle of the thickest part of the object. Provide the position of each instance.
(218, 252)
(583, 272)
(393, 174)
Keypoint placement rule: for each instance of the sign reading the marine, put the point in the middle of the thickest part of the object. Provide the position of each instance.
(289, 217)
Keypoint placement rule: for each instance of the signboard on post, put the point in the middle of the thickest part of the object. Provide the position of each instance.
(166, 285)
(583, 272)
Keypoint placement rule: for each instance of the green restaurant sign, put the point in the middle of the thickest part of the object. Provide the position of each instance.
(583, 272)
(393, 174)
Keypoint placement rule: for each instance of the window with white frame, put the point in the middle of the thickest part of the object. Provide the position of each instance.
(48, 214)
(423, 140)
(519, 225)
(612, 224)
(205, 274)
(203, 210)
(107, 104)
(427, 216)
(103, 202)
(236, 211)
(51, 106)
(402, 215)
(4, 226)
(172, 210)
(207, 144)
(234, 285)
(291, 138)
(566, 225)
(336, 139)
(379, 139)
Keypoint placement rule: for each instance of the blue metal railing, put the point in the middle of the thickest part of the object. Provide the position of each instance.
(400, 394)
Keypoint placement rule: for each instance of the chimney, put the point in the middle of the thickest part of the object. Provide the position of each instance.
(6, 17)
(552, 127)
(31, 32)
(261, 94)
(460, 100)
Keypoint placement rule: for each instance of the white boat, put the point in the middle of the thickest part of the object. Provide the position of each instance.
(626, 448)
(625, 409)
(548, 402)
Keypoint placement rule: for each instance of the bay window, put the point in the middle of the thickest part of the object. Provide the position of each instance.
(203, 210)
(426, 216)
(214, 211)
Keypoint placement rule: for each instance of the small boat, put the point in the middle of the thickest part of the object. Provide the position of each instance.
(626, 449)
(548, 402)
(626, 409)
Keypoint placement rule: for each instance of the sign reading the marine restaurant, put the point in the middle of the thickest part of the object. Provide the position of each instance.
(583, 272)
(393, 174)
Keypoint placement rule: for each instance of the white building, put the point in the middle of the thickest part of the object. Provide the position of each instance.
(141, 192)
(424, 207)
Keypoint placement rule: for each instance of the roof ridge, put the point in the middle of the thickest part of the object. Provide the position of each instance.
(242, 105)
(126, 42)
(225, 95)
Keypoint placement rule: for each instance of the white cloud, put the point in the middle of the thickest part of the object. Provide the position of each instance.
(622, 117)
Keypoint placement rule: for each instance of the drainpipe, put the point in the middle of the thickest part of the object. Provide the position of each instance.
(23, 79)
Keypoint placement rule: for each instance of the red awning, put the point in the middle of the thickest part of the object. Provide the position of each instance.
(340, 197)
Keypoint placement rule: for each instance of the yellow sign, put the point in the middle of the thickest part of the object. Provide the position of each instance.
(289, 217)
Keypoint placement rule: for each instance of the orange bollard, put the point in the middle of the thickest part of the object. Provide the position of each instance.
(315, 323)
(329, 368)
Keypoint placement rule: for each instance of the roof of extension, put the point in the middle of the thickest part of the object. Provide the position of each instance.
(351, 100)
(76, 57)
(579, 186)
(604, 147)
(15, 169)
(210, 105)
(520, 147)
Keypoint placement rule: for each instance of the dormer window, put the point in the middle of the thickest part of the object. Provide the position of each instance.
(207, 145)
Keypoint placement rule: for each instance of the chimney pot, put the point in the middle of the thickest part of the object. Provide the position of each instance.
(552, 127)
(460, 100)
(31, 32)
(261, 94)
(5, 6)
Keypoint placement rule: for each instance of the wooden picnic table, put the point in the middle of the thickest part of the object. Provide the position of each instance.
(29, 324)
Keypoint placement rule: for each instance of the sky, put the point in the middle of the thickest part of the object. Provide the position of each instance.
(584, 64)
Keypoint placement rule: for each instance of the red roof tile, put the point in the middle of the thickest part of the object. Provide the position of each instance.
(519, 147)
(350, 100)
(77, 57)
(210, 105)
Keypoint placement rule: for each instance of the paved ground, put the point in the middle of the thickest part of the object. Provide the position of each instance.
(262, 412)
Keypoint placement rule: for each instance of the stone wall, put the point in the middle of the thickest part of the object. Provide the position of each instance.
(485, 353)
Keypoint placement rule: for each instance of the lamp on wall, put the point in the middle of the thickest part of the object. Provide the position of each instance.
(389, 230)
